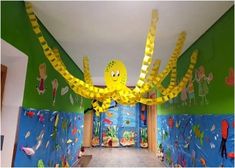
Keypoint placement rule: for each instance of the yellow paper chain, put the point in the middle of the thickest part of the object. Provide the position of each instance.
(122, 95)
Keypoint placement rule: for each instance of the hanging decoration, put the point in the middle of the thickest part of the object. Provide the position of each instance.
(115, 73)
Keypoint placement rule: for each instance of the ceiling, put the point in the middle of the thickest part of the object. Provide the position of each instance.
(118, 29)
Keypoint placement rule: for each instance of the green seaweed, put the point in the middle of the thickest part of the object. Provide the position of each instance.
(112, 131)
(144, 135)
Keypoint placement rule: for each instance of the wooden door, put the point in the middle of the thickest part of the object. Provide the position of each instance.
(152, 125)
(88, 126)
(3, 80)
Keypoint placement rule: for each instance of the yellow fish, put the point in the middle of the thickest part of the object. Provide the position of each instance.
(109, 114)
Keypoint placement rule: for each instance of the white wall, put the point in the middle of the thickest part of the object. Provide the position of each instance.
(16, 61)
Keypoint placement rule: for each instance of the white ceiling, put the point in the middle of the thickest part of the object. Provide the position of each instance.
(118, 29)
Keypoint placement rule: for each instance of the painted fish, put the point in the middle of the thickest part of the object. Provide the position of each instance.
(203, 162)
(231, 155)
(41, 117)
(109, 114)
(76, 140)
(39, 140)
(47, 143)
(171, 122)
(28, 151)
(213, 127)
(177, 124)
(30, 114)
(142, 116)
(69, 141)
(107, 121)
(27, 135)
(212, 145)
(74, 131)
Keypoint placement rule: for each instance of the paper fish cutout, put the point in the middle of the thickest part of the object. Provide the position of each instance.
(42, 77)
(47, 143)
(41, 117)
(212, 145)
(171, 122)
(74, 131)
(229, 80)
(30, 114)
(27, 135)
(107, 121)
(71, 99)
(203, 162)
(177, 124)
(69, 141)
(28, 151)
(213, 127)
(39, 140)
(231, 155)
(64, 90)
(109, 114)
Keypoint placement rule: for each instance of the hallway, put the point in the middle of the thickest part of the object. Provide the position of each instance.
(122, 157)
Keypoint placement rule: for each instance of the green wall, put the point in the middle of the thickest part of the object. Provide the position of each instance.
(216, 53)
(16, 30)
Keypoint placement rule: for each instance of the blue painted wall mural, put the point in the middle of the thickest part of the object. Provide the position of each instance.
(197, 140)
(197, 127)
(47, 138)
(121, 126)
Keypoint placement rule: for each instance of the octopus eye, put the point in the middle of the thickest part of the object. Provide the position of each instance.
(112, 74)
(117, 73)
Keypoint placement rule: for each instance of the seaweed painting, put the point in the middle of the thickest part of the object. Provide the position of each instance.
(144, 138)
(110, 138)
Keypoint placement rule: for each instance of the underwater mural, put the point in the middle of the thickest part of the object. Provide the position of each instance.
(197, 140)
(47, 138)
(121, 126)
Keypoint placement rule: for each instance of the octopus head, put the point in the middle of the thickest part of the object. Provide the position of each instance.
(115, 75)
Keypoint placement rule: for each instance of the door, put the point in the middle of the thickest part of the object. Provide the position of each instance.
(88, 126)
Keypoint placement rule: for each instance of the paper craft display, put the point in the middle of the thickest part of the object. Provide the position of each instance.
(115, 73)
(42, 77)
(197, 140)
(48, 143)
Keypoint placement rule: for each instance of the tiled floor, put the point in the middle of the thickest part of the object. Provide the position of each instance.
(122, 157)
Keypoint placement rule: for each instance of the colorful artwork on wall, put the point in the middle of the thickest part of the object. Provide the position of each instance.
(48, 138)
(121, 126)
(41, 88)
(197, 140)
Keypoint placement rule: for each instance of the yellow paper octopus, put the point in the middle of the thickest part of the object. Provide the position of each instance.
(116, 76)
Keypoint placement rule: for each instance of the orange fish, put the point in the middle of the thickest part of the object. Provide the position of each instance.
(30, 114)
(203, 161)
(74, 131)
(231, 155)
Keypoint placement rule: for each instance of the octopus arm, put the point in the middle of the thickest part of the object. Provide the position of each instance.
(78, 86)
(149, 48)
(177, 89)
